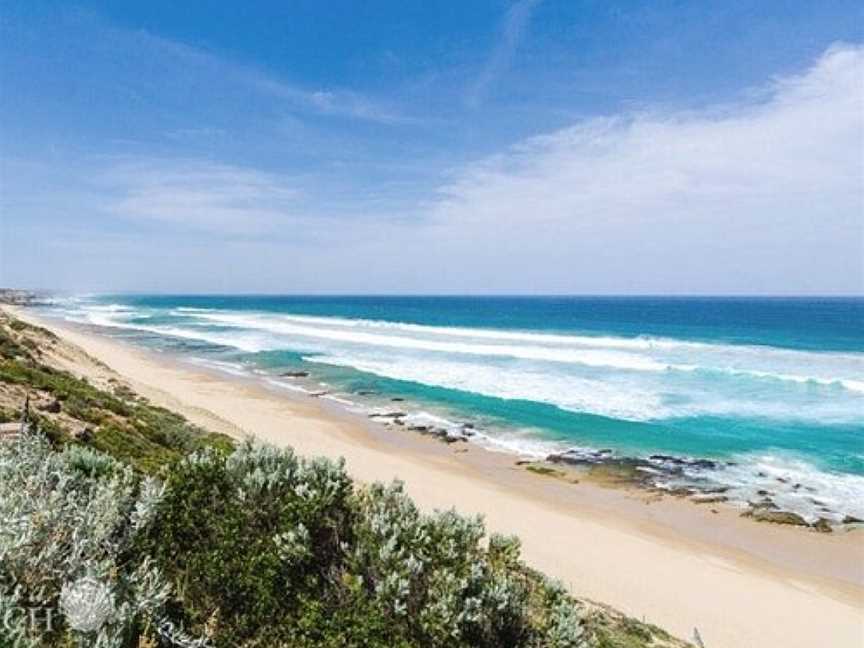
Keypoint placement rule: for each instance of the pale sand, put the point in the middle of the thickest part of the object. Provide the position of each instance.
(670, 562)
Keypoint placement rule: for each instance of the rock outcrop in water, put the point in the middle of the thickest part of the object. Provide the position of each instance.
(687, 477)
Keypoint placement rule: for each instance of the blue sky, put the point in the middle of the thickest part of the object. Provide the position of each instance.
(543, 146)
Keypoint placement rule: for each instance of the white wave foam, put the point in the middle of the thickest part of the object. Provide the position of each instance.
(613, 398)
(231, 368)
(265, 320)
(338, 399)
(651, 379)
(249, 342)
(848, 384)
(637, 343)
(283, 384)
(643, 354)
(111, 308)
(589, 357)
(793, 485)
(572, 393)
(658, 353)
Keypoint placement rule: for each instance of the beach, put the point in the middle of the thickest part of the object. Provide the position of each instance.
(671, 562)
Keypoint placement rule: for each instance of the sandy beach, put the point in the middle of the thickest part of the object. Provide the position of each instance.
(668, 561)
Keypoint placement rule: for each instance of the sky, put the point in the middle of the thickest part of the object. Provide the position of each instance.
(426, 146)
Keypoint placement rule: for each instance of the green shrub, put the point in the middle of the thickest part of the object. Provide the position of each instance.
(260, 530)
(122, 424)
(279, 550)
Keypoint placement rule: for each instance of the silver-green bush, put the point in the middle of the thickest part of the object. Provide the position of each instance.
(69, 519)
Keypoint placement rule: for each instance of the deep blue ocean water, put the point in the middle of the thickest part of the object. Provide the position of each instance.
(773, 385)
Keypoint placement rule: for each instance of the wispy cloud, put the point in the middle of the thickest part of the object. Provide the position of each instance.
(334, 102)
(338, 102)
(512, 32)
(181, 66)
(201, 195)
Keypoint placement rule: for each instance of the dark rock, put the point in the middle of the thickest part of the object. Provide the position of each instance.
(365, 392)
(765, 503)
(295, 374)
(679, 461)
(706, 498)
(563, 457)
(666, 459)
(390, 415)
(679, 491)
(53, 407)
(454, 438)
(762, 514)
(319, 394)
(822, 525)
(703, 463)
(851, 519)
(397, 399)
(84, 434)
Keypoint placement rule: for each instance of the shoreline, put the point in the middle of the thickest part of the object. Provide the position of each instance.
(756, 584)
(754, 454)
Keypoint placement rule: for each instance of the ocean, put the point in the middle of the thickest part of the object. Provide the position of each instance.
(769, 390)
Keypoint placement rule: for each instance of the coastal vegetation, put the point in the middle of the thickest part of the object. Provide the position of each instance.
(200, 541)
(70, 409)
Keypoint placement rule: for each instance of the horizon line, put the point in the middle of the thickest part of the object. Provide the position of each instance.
(448, 294)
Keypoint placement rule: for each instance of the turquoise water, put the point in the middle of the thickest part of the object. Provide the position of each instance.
(774, 386)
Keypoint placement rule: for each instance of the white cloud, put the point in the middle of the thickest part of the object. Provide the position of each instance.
(760, 196)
